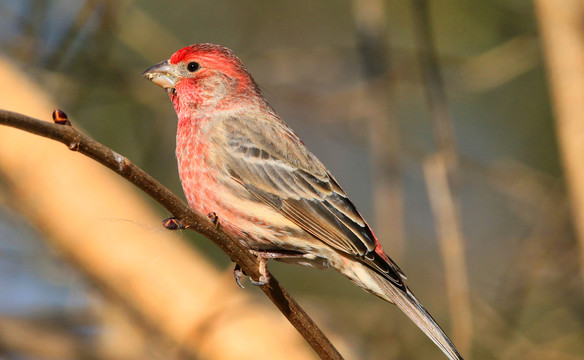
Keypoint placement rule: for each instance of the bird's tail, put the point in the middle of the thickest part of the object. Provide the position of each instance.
(408, 303)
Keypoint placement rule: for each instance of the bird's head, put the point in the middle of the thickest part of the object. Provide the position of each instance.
(203, 76)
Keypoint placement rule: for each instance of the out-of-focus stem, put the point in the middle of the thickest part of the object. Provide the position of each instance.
(376, 101)
(561, 23)
(441, 171)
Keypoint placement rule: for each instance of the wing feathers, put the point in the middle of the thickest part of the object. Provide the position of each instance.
(277, 169)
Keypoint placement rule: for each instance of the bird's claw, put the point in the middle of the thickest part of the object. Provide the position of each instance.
(239, 274)
(263, 280)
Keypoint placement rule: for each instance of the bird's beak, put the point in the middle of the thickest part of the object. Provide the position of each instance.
(162, 74)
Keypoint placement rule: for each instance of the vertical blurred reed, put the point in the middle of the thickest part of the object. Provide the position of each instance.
(441, 171)
(560, 22)
(383, 133)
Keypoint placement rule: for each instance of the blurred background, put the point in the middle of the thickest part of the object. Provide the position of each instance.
(435, 118)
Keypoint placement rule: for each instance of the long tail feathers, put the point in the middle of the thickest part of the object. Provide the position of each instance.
(418, 314)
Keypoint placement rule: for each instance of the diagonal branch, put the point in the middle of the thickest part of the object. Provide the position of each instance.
(77, 141)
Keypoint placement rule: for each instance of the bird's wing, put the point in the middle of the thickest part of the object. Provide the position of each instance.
(273, 164)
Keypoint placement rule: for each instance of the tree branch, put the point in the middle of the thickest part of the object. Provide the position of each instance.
(77, 141)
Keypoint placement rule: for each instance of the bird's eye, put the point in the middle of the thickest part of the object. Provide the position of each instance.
(193, 66)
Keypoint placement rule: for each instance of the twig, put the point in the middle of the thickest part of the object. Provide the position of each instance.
(77, 141)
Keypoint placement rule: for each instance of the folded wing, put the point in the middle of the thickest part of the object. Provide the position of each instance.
(276, 168)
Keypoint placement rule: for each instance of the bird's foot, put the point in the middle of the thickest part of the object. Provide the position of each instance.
(263, 257)
(239, 274)
(173, 223)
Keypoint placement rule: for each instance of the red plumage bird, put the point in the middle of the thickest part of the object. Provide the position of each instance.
(239, 159)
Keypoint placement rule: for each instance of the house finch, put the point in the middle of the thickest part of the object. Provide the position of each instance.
(238, 160)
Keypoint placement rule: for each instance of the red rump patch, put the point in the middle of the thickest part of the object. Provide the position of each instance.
(380, 251)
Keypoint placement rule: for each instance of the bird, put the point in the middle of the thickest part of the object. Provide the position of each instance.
(238, 160)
